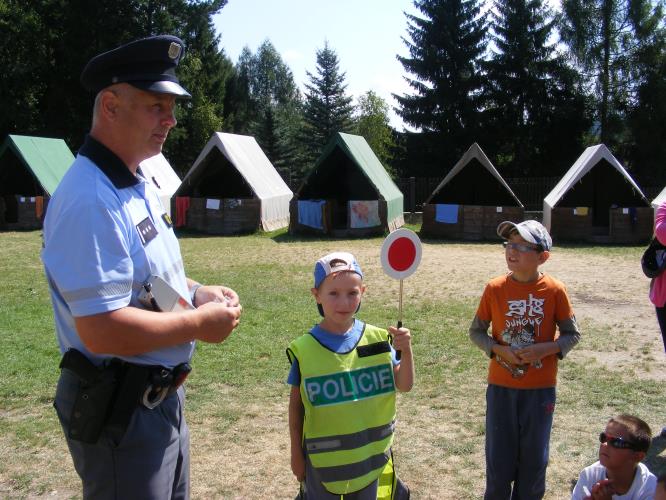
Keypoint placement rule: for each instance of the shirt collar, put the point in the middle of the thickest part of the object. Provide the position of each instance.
(109, 163)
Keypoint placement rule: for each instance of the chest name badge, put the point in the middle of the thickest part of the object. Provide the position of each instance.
(147, 231)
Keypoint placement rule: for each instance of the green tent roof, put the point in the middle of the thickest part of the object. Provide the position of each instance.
(48, 159)
(358, 150)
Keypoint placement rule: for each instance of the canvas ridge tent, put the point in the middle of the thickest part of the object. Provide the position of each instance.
(158, 170)
(597, 201)
(30, 170)
(232, 188)
(347, 193)
(470, 201)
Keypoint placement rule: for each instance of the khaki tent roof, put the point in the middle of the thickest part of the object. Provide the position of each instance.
(245, 154)
(474, 152)
(48, 159)
(585, 162)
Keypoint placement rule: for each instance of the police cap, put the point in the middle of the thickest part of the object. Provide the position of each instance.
(148, 64)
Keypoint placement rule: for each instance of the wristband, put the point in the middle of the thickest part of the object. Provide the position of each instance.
(193, 292)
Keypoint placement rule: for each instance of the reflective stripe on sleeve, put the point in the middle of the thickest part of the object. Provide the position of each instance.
(104, 290)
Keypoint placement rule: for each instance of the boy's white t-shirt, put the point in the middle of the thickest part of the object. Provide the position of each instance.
(642, 488)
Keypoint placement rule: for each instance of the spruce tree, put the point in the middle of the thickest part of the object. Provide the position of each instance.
(531, 94)
(607, 39)
(327, 108)
(446, 46)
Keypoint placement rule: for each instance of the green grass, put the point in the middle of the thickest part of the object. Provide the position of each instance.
(441, 419)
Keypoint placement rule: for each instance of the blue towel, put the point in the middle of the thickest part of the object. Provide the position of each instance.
(310, 213)
(448, 214)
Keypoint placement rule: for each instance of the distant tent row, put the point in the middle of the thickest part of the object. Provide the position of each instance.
(595, 201)
(232, 188)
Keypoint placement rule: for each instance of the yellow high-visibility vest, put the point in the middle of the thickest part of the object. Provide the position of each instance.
(349, 402)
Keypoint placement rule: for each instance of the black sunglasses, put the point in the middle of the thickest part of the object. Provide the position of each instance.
(616, 442)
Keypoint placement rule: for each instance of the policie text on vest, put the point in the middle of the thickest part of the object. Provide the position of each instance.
(350, 386)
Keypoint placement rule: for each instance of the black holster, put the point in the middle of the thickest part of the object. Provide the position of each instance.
(94, 399)
(109, 395)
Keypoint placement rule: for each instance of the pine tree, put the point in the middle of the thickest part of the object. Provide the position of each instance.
(327, 108)
(529, 87)
(446, 47)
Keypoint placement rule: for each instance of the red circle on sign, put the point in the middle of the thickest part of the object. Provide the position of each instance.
(401, 254)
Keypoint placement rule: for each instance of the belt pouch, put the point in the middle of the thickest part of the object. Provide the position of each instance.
(93, 399)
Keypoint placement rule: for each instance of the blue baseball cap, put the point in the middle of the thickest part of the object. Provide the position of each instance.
(333, 263)
(147, 64)
(530, 230)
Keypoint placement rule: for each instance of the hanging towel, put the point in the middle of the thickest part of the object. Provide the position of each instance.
(310, 213)
(39, 206)
(581, 211)
(448, 214)
(182, 205)
(363, 213)
(212, 204)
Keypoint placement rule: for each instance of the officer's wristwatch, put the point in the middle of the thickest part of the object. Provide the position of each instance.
(193, 292)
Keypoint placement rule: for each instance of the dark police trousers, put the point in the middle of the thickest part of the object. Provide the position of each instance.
(151, 460)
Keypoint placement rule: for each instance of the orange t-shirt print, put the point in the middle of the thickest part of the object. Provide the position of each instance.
(522, 314)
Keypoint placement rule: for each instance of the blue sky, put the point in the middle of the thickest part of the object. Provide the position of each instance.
(365, 34)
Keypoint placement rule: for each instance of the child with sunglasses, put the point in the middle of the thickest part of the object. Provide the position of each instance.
(619, 473)
(525, 308)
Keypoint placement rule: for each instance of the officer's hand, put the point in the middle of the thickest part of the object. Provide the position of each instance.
(217, 321)
(402, 338)
(298, 466)
(215, 293)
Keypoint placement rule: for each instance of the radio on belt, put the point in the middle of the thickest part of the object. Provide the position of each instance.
(159, 295)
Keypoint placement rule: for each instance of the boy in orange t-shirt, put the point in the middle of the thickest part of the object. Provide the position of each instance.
(525, 308)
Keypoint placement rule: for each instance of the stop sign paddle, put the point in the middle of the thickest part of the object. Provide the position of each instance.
(400, 256)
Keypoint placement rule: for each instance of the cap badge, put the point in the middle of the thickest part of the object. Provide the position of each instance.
(174, 50)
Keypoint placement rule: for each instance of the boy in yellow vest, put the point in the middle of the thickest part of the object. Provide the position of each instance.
(344, 374)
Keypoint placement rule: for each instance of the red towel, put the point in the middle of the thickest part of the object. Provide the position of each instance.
(182, 204)
(39, 206)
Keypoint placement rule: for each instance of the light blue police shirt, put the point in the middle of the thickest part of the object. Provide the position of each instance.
(336, 343)
(105, 233)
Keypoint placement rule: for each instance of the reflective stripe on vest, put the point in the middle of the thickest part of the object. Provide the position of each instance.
(349, 441)
(344, 472)
(349, 402)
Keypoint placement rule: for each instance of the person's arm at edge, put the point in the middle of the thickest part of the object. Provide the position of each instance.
(129, 331)
(569, 336)
(660, 224)
(296, 412)
(404, 371)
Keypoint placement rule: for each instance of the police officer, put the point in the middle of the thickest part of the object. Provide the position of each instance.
(105, 234)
